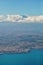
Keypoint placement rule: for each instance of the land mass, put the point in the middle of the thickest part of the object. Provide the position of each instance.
(21, 43)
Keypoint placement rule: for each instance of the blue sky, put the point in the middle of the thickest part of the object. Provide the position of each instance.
(22, 7)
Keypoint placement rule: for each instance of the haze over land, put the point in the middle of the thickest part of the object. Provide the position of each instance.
(20, 37)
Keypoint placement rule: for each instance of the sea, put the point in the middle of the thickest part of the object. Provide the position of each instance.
(34, 57)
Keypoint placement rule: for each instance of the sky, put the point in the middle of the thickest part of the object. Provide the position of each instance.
(21, 7)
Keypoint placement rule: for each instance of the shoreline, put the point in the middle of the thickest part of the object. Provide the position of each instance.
(13, 52)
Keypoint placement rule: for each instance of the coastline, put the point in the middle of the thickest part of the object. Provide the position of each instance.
(19, 52)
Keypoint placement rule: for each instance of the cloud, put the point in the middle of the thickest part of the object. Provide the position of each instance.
(20, 18)
(34, 19)
(13, 18)
(1, 18)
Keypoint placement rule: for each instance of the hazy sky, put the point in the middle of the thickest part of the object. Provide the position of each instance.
(22, 7)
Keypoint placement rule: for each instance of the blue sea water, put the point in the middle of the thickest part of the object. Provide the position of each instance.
(34, 57)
